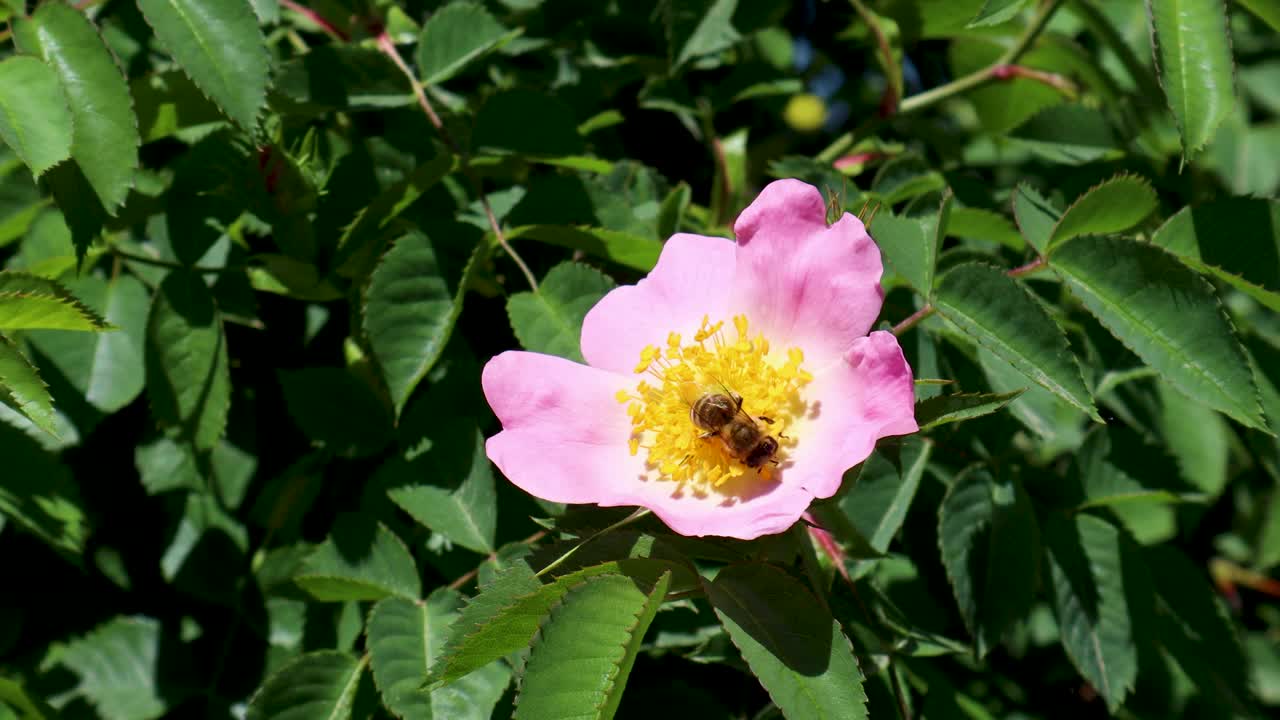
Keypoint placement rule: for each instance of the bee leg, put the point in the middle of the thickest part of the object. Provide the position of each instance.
(737, 399)
(706, 436)
(765, 418)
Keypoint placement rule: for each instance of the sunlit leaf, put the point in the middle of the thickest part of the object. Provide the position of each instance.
(597, 628)
(218, 44)
(22, 389)
(452, 37)
(1192, 48)
(550, 320)
(104, 142)
(34, 118)
(1115, 205)
(405, 638)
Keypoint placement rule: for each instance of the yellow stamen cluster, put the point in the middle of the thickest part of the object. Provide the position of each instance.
(681, 373)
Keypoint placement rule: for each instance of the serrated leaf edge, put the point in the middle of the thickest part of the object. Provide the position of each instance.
(1053, 240)
(1255, 396)
(617, 664)
(1092, 410)
(264, 58)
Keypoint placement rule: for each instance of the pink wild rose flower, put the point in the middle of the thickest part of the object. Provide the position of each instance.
(774, 327)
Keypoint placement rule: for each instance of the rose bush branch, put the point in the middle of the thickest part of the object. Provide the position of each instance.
(960, 85)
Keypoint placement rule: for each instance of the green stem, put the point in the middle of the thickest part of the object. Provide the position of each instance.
(1020, 46)
(639, 513)
(931, 97)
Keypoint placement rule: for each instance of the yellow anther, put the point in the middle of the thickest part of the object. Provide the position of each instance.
(676, 375)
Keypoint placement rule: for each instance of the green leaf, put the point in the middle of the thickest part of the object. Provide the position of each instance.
(1117, 467)
(506, 614)
(632, 251)
(550, 320)
(30, 302)
(39, 494)
(22, 389)
(453, 36)
(1008, 320)
(1249, 262)
(790, 642)
(410, 311)
(359, 561)
(979, 224)
(206, 543)
(1095, 582)
(1056, 423)
(107, 368)
(219, 45)
(990, 545)
(118, 668)
(34, 118)
(1068, 134)
(104, 141)
(995, 12)
(1036, 216)
(404, 639)
(909, 248)
(1266, 10)
(13, 696)
(1167, 315)
(1115, 205)
(877, 504)
(360, 245)
(596, 629)
(698, 29)
(1192, 47)
(467, 515)
(1198, 437)
(943, 409)
(188, 373)
(319, 684)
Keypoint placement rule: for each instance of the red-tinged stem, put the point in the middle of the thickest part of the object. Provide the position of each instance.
(911, 321)
(315, 17)
(832, 550)
(1033, 266)
(1061, 83)
(388, 47)
(470, 575)
(892, 90)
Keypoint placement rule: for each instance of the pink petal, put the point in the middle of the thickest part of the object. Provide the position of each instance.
(564, 435)
(745, 516)
(868, 396)
(693, 278)
(801, 282)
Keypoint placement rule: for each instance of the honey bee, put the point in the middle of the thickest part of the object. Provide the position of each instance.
(721, 416)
